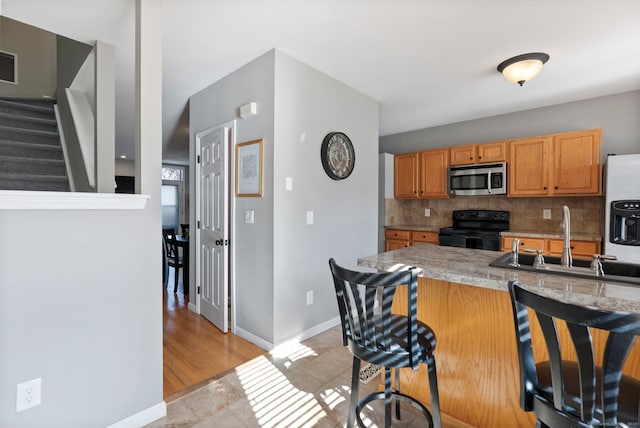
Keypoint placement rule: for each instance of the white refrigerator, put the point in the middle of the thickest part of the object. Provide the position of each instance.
(622, 207)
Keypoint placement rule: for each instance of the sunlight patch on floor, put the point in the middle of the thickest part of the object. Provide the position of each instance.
(276, 402)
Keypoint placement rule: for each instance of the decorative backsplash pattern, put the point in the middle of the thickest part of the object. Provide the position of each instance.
(587, 215)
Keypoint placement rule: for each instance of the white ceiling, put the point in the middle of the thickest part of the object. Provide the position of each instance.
(427, 62)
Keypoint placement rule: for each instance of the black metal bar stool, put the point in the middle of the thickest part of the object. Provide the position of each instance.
(375, 335)
(580, 393)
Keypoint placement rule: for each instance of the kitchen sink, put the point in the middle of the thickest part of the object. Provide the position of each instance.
(613, 270)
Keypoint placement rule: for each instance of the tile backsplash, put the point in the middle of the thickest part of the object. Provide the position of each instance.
(587, 214)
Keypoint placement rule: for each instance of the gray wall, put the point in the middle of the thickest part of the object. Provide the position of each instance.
(215, 105)
(308, 105)
(279, 257)
(80, 307)
(81, 300)
(617, 115)
(36, 51)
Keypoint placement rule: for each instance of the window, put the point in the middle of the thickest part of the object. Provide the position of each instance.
(8, 67)
(173, 198)
(173, 173)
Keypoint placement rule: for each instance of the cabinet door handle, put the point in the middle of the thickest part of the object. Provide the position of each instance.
(556, 187)
(544, 188)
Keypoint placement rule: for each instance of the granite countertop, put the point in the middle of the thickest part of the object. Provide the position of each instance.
(551, 235)
(416, 227)
(596, 237)
(471, 267)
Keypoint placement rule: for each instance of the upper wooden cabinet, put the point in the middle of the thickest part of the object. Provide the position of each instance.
(405, 181)
(479, 153)
(576, 163)
(565, 164)
(432, 167)
(528, 167)
(422, 174)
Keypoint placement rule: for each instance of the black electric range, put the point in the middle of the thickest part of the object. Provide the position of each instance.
(475, 229)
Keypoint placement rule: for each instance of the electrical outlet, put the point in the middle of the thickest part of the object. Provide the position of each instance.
(546, 214)
(427, 212)
(28, 394)
(309, 297)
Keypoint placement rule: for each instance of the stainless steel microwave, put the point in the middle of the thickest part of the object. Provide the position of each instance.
(479, 179)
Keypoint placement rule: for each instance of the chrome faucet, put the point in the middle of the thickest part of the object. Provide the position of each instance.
(566, 260)
(514, 253)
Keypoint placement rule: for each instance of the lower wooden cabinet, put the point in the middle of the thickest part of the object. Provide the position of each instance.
(425, 237)
(396, 239)
(399, 238)
(579, 249)
(553, 247)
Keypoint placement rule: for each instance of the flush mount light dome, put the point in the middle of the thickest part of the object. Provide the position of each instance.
(523, 68)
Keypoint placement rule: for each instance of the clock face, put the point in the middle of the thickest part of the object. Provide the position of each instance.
(338, 156)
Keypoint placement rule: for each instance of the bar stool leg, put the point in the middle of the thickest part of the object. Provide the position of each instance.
(433, 389)
(397, 373)
(355, 387)
(387, 397)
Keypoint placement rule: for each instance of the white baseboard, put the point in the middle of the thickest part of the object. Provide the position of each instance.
(143, 418)
(304, 335)
(256, 340)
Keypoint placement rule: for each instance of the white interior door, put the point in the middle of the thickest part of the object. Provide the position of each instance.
(213, 230)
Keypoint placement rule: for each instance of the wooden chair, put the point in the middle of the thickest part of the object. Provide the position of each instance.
(174, 259)
(375, 335)
(184, 229)
(578, 393)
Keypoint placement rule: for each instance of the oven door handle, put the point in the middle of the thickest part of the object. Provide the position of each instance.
(489, 182)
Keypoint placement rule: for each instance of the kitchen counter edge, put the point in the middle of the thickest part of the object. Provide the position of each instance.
(471, 267)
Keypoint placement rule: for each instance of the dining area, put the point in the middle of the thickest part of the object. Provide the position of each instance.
(175, 254)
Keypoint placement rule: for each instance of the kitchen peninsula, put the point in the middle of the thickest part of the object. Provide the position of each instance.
(466, 302)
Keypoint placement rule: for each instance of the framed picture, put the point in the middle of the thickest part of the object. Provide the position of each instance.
(249, 169)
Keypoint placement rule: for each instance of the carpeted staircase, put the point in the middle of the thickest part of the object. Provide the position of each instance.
(30, 151)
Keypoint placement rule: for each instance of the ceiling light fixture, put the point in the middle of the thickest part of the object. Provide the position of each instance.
(523, 68)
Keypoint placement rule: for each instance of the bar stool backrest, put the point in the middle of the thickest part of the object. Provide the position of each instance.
(580, 393)
(364, 303)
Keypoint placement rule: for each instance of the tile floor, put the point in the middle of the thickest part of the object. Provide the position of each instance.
(301, 385)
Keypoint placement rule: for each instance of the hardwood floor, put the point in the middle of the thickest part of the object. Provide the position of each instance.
(194, 350)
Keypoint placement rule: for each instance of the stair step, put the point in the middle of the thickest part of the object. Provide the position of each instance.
(29, 135)
(22, 165)
(26, 122)
(42, 108)
(20, 149)
(33, 182)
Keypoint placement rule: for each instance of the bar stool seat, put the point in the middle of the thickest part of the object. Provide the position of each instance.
(393, 341)
(588, 390)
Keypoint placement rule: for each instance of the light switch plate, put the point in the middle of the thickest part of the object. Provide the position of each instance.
(546, 214)
(309, 217)
(249, 216)
(288, 184)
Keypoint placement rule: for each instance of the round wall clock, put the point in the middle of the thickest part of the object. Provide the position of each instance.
(338, 156)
